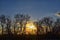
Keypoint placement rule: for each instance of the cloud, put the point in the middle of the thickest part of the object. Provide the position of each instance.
(58, 14)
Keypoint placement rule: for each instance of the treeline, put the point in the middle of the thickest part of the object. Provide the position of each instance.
(44, 25)
(6, 22)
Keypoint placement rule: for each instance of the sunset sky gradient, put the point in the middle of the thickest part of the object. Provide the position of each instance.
(35, 8)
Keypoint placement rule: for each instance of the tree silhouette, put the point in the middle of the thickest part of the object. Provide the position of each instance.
(3, 21)
(40, 29)
(56, 28)
(8, 23)
(37, 26)
(21, 18)
(48, 22)
(17, 19)
(27, 18)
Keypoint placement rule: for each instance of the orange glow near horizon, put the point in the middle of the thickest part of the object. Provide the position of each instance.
(30, 28)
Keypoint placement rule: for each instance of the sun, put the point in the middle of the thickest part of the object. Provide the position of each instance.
(30, 28)
(30, 25)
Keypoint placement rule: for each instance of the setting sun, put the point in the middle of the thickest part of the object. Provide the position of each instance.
(30, 25)
(30, 28)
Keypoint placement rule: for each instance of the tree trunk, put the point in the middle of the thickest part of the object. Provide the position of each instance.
(14, 29)
(21, 27)
(2, 29)
(8, 29)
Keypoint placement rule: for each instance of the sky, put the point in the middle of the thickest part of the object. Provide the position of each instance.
(35, 8)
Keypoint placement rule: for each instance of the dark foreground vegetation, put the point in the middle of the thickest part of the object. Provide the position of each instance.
(31, 37)
(18, 25)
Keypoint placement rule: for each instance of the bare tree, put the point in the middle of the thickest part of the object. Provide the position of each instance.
(27, 18)
(8, 23)
(48, 21)
(2, 20)
(56, 28)
(22, 18)
(40, 29)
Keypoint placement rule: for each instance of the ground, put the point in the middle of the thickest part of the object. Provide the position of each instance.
(30, 37)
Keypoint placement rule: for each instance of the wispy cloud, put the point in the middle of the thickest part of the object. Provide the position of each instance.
(58, 14)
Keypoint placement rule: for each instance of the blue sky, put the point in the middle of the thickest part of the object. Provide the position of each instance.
(35, 8)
